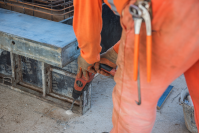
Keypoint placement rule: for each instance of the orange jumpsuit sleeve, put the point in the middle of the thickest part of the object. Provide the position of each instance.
(87, 24)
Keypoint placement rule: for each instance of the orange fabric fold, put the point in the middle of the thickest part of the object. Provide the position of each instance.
(116, 47)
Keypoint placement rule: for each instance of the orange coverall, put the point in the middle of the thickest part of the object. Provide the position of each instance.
(175, 50)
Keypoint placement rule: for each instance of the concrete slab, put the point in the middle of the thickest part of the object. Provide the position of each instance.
(20, 113)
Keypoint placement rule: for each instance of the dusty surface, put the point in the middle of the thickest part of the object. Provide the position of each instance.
(20, 113)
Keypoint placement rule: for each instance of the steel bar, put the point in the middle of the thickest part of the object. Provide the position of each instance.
(12, 64)
(57, 10)
(38, 10)
(77, 102)
(57, 1)
(41, 6)
(44, 79)
(63, 72)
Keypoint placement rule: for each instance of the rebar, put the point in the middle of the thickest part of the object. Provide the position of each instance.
(56, 9)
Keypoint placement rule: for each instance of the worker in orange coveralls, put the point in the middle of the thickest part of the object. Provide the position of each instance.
(175, 50)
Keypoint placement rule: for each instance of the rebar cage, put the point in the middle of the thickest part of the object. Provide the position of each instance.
(55, 10)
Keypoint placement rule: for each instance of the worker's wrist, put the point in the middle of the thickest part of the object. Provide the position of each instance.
(111, 55)
(91, 59)
(116, 46)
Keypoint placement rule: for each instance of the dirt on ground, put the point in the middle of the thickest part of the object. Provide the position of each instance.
(20, 113)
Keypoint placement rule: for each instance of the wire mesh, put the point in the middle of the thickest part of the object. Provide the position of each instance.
(55, 10)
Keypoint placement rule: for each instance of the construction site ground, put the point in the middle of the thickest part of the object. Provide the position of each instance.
(20, 113)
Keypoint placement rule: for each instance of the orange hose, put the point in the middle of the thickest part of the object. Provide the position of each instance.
(136, 56)
(149, 49)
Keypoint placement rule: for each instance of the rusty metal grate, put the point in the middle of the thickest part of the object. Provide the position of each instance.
(55, 10)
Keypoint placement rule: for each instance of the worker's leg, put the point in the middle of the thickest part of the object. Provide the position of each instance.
(174, 51)
(192, 79)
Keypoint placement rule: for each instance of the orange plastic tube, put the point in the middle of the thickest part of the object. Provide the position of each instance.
(149, 49)
(136, 56)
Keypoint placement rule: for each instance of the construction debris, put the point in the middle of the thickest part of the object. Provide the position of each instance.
(188, 111)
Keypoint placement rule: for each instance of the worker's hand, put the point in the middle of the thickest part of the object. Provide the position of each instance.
(109, 58)
(84, 68)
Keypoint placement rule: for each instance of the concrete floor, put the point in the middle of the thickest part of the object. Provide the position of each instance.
(20, 113)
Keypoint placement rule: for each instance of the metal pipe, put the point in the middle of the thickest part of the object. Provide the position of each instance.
(12, 64)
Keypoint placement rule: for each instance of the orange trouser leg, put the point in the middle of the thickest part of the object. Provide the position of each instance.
(192, 79)
(175, 49)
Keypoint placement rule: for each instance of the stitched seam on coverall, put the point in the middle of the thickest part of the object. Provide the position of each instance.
(122, 84)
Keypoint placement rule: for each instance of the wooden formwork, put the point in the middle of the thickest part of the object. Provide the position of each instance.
(25, 69)
(46, 82)
(40, 62)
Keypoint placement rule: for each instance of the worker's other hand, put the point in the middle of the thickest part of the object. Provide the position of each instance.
(84, 68)
(109, 58)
